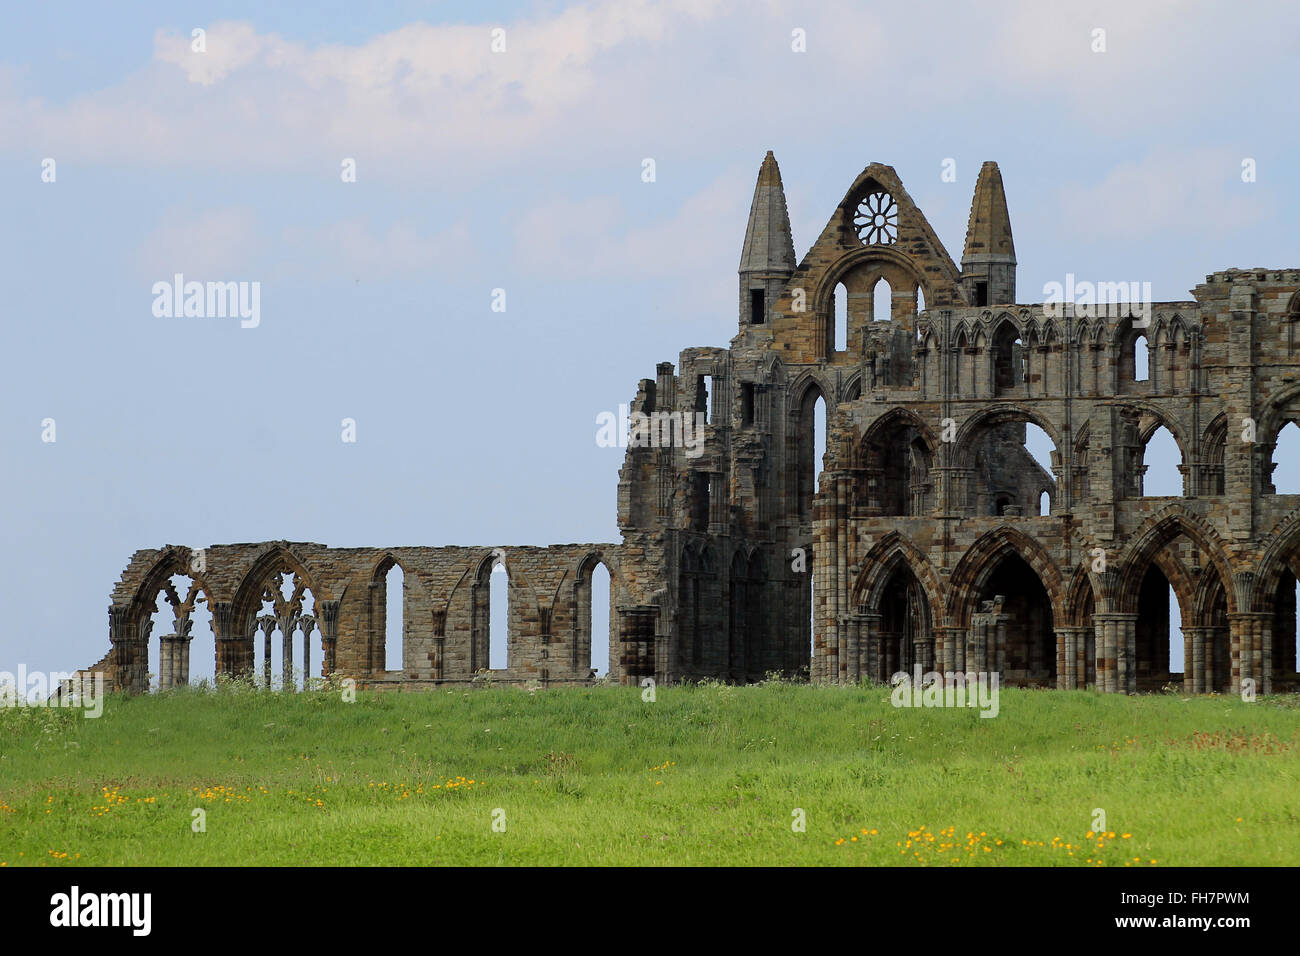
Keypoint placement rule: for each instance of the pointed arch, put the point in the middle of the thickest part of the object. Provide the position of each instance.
(1152, 537)
(879, 564)
(981, 559)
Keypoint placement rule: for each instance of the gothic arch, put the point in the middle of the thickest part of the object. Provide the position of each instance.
(896, 416)
(880, 563)
(174, 560)
(982, 558)
(1279, 554)
(1081, 595)
(1276, 412)
(1002, 413)
(248, 595)
(867, 256)
(1151, 538)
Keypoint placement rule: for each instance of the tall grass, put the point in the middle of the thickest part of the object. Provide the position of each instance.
(702, 775)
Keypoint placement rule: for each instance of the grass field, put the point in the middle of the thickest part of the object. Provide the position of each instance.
(702, 775)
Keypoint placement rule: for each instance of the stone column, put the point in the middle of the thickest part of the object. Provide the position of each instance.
(924, 652)
(1194, 660)
(287, 622)
(229, 654)
(308, 624)
(1066, 675)
(954, 648)
(869, 644)
(137, 657)
(854, 648)
(1117, 641)
(998, 631)
(266, 624)
(166, 650)
(327, 613)
(1240, 638)
(1126, 641)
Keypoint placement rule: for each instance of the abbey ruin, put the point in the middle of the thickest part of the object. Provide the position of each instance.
(930, 537)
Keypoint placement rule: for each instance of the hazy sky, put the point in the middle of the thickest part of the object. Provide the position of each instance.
(520, 170)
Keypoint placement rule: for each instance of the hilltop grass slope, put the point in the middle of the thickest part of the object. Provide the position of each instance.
(705, 775)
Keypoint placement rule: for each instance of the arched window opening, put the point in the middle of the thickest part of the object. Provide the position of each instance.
(819, 442)
(904, 622)
(591, 650)
(895, 478)
(394, 617)
(1158, 635)
(1044, 504)
(1141, 359)
(812, 450)
(1160, 460)
(1175, 649)
(920, 300)
(1007, 358)
(1286, 461)
(287, 616)
(841, 320)
(882, 301)
(704, 396)
(499, 617)
(1010, 460)
(182, 645)
(1021, 642)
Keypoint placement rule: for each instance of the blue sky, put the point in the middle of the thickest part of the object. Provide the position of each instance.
(520, 170)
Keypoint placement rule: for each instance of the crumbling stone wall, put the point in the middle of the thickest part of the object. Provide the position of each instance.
(921, 543)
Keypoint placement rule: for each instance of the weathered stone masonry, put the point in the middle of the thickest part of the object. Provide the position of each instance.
(922, 541)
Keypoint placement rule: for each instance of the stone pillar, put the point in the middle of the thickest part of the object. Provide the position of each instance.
(869, 644)
(1252, 645)
(1116, 653)
(998, 631)
(1066, 675)
(954, 648)
(854, 649)
(229, 656)
(166, 650)
(286, 623)
(308, 624)
(328, 616)
(1194, 660)
(266, 624)
(137, 657)
(924, 652)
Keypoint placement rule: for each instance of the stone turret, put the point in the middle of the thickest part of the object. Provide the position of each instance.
(988, 263)
(767, 259)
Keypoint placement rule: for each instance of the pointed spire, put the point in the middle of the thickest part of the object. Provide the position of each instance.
(988, 265)
(768, 247)
(988, 232)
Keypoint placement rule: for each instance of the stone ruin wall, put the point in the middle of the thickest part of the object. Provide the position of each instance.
(919, 544)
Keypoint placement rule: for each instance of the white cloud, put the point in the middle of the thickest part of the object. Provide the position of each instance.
(1188, 192)
(351, 247)
(624, 76)
(229, 244)
(214, 243)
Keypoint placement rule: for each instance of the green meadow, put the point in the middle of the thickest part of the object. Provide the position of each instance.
(774, 774)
